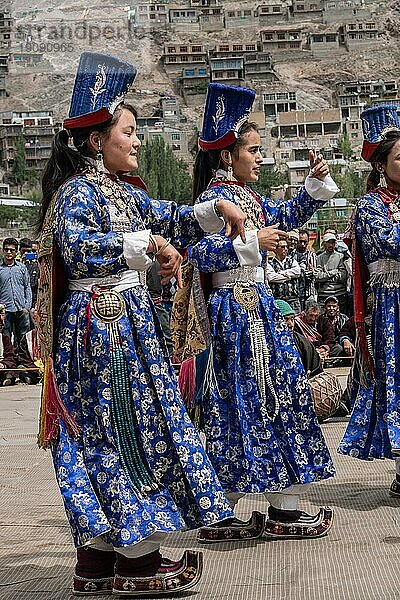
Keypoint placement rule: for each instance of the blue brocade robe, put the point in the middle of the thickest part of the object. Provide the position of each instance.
(250, 451)
(374, 427)
(97, 495)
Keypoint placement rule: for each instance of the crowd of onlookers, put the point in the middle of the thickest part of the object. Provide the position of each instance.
(318, 287)
(19, 275)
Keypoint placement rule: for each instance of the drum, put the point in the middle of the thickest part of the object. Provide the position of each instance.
(326, 392)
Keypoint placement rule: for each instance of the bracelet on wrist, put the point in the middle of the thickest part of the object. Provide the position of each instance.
(167, 243)
(154, 247)
(216, 209)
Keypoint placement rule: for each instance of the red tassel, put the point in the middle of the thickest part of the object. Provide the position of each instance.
(52, 410)
(186, 381)
(88, 313)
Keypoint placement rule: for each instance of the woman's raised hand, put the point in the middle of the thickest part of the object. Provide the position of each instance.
(319, 166)
(170, 261)
(268, 237)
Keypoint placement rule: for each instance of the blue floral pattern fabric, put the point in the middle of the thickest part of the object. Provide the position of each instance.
(251, 449)
(374, 427)
(97, 494)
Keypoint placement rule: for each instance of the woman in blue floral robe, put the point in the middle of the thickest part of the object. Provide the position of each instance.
(129, 462)
(374, 427)
(261, 429)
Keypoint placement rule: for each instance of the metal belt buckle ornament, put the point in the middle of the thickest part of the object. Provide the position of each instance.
(246, 294)
(108, 305)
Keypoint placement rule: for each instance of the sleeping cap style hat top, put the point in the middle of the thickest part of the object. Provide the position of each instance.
(101, 84)
(377, 121)
(227, 108)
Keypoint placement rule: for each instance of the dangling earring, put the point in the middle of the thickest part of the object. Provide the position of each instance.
(230, 171)
(99, 160)
(382, 180)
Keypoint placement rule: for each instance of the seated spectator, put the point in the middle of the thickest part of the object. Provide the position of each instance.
(332, 312)
(283, 274)
(7, 356)
(318, 330)
(347, 337)
(325, 387)
(308, 354)
(331, 273)
(28, 357)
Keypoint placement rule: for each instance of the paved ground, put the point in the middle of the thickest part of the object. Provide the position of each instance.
(359, 560)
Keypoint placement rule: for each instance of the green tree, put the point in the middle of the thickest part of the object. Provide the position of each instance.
(268, 180)
(344, 146)
(166, 176)
(19, 166)
(350, 183)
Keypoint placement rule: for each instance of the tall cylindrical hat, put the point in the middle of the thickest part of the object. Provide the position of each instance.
(377, 121)
(227, 108)
(101, 84)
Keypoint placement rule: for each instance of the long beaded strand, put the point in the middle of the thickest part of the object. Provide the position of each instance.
(124, 420)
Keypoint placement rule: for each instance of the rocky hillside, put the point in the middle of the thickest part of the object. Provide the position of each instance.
(63, 30)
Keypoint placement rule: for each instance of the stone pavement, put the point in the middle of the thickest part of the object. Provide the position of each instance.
(359, 560)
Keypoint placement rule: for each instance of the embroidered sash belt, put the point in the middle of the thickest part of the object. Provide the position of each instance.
(240, 275)
(120, 282)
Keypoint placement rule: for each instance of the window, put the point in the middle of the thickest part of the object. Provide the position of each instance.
(300, 7)
(237, 47)
(331, 37)
(183, 49)
(232, 74)
(264, 9)
(250, 48)
(196, 48)
(276, 9)
(268, 36)
(171, 49)
(172, 59)
(318, 38)
(247, 13)
(281, 36)
(176, 137)
(184, 58)
(231, 14)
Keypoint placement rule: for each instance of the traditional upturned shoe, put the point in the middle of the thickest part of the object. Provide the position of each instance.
(84, 586)
(94, 572)
(234, 531)
(171, 577)
(305, 525)
(394, 490)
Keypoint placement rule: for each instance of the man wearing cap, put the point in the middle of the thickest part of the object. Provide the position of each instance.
(331, 274)
(332, 312)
